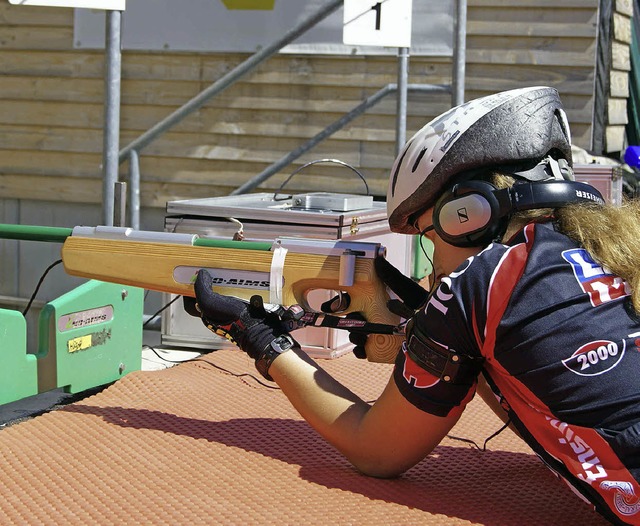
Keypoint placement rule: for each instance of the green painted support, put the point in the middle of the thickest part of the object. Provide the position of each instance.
(423, 256)
(18, 370)
(90, 336)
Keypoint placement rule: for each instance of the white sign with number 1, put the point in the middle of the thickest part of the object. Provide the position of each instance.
(386, 23)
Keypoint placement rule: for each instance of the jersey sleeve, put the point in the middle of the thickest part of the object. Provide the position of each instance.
(452, 321)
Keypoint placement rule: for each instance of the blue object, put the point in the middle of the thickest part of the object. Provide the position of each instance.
(632, 156)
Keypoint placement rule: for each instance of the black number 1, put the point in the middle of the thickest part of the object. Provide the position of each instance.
(378, 9)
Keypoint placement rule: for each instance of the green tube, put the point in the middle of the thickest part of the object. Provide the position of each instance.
(58, 235)
(34, 233)
(228, 243)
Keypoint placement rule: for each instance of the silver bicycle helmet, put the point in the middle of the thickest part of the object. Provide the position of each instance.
(510, 132)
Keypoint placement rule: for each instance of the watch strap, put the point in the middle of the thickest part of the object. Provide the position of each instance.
(278, 346)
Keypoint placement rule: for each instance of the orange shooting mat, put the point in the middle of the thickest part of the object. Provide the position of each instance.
(205, 443)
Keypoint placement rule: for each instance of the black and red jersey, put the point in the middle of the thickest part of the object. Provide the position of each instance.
(560, 344)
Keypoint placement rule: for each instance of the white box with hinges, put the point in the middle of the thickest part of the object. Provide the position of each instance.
(607, 179)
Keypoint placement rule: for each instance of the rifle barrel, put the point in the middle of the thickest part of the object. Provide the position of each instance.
(59, 235)
(50, 234)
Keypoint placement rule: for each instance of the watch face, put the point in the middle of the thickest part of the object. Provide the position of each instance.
(281, 344)
(278, 346)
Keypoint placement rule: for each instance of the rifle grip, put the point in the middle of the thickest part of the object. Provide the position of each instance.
(383, 348)
(368, 294)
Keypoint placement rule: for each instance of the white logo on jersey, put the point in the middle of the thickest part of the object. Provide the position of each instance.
(592, 470)
(443, 294)
(595, 358)
(440, 297)
(597, 282)
(625, 500)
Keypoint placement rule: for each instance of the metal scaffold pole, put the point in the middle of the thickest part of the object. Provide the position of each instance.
(111, 146)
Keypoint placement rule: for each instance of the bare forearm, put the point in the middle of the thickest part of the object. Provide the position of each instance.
(379, 440)
(332, 409)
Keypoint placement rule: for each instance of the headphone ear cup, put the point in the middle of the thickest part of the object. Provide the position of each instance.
(475, 213)
(467, 215)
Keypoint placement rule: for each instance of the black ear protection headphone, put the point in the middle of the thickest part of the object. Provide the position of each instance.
(474, 213)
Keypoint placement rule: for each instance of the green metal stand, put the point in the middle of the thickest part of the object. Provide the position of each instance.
(89, 337)
(18, 370)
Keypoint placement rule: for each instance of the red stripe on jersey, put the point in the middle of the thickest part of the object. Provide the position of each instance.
(505, 277)
(582, 450)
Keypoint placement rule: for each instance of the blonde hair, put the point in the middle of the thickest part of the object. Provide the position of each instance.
(611, 234)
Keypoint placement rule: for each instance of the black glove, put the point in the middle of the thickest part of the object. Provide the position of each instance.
(358, 339)
(412, 295)
(247, 324)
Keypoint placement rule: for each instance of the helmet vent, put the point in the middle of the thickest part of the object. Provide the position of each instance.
(420, 156)
(397, 170)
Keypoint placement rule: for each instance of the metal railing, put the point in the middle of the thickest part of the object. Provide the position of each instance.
(334, 127)
(131, 151)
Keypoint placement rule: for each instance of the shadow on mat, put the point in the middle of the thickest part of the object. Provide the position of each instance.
(480, 486)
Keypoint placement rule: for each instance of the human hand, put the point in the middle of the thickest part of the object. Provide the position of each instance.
(411, 295)
(358, 338)
(245, 323)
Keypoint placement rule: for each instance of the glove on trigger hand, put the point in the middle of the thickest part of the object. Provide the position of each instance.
(358, 339)
(412, 296)
(247, 324)
(342, 302)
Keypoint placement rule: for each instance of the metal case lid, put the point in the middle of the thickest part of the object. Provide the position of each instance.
(319, 208)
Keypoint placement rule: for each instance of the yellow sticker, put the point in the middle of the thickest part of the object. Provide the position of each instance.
(264, 5)
(79, 344)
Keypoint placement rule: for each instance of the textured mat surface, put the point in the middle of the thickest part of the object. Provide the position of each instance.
(196, 444)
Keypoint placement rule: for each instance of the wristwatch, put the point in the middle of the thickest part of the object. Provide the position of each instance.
(281, 344)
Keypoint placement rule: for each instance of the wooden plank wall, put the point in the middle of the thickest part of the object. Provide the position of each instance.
(51, 103)
(619, 76)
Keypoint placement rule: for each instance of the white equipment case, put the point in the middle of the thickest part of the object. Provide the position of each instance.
(605, 178)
